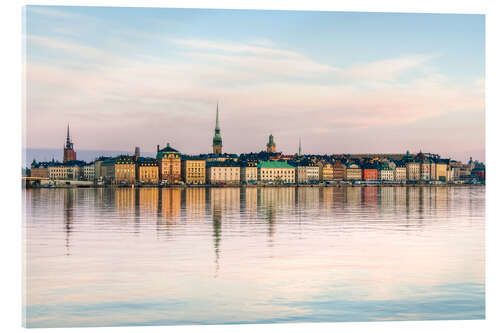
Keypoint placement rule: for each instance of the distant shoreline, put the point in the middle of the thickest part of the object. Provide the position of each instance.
(258, 185)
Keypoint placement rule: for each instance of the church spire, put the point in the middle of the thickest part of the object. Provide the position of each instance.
(217, 118)
(217, 140)
(300, 147)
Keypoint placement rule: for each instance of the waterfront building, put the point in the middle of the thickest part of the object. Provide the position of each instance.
(97, 166)
(412, 170)
(386, 173)
(275, 171)
(441, 171)
(306, 174)
(222, 173)
(147, 170)
(248, 174)
(353, 172)
(425, 170)
(88, 171)
(369, 173)
(339, 170)
(125, 169)
(107, 169)
(271, 146)
(217, 140)
(69, 153)
(449, 173)
(325, 171)
(193, 170)
(400, 173)
(456, 172)
(70, 170)
(170, 164)
(39, 169)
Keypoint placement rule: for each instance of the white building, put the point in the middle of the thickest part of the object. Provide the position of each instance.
(386, 174)
(89, 171)
(248, 174)
(306, 174)
(400, 174)
(221, 173)
(276, 171)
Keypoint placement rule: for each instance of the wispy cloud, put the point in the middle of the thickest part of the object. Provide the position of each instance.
(258, 84)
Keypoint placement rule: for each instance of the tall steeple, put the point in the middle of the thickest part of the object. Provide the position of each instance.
(217, 141)
(68, 140)
(69, 153)
(300, 147)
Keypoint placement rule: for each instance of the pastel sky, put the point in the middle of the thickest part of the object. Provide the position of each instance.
(342, 82)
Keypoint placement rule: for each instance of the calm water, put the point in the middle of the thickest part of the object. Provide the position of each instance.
(154, 256)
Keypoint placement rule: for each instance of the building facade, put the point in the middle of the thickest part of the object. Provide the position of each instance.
(425, 171)
(339, 170)
(193, 171)
(89, 171)
(353, 172)
(386, 174)
(222, 173)
(369, 173)
(275, 171)
(169, 160)
(400, 173)
(147, 170)
(249, 174)
(306, 174)
(412, 171)
(125, 169)
(326, 172)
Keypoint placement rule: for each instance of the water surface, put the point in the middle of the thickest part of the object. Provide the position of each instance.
(149, 256)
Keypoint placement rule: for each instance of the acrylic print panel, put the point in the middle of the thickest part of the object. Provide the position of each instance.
(196, 166)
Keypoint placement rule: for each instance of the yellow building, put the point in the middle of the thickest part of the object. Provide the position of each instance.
(169, 160)
(124, 169)
(353, 172)
(325, 171)
(400, 173)
(148, 170)
(413, 171)
(441, 171)
(193, 171)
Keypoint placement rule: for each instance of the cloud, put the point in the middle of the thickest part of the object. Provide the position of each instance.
(385, 70)
(260, 86)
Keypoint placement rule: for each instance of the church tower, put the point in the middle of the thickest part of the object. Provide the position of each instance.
(271, 146)
(217, 141)
(69, 153)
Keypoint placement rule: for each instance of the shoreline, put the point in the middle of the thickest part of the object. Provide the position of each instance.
(258, 185)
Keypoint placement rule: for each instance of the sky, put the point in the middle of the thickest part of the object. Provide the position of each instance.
(341, 82)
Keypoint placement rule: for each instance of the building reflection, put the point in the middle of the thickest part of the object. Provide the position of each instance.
(125, 201)
(387, 198)
(69, 195)
(271, 201)
(148, 200)
(353, 196)
(194, 202)
(169, 205)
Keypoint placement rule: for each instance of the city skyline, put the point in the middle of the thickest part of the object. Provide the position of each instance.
(329, 83)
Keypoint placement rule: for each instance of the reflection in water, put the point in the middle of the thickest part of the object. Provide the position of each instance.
(220, 255)
(68, 217)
